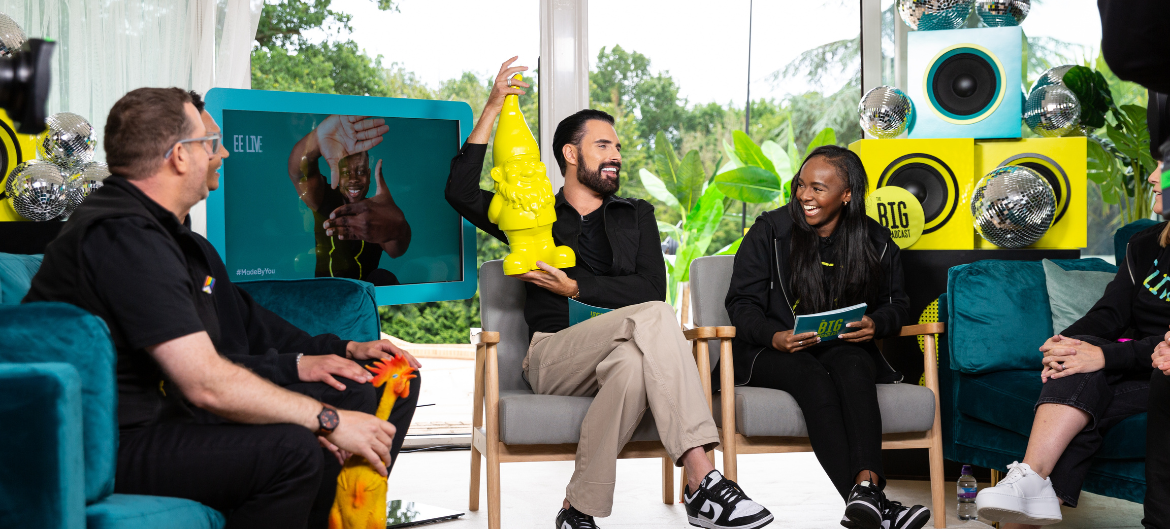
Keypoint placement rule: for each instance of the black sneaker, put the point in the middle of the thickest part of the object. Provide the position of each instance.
(721, 504)
(863, 509)
(573, 519)
(898, 516)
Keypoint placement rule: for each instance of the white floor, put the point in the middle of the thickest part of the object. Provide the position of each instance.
(792, 486)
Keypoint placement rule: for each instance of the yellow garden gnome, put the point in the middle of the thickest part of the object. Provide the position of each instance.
(524, 203)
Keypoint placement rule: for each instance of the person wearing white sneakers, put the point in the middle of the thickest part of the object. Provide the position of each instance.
(1092, 381)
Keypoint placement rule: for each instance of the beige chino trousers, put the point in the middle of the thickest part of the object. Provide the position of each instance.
(629, 360)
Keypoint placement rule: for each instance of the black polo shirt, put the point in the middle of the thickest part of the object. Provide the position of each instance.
(131, 262)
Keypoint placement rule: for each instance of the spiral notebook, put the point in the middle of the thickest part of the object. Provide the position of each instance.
(830, 324)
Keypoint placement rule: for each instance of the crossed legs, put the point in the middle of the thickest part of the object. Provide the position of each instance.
(630, 360)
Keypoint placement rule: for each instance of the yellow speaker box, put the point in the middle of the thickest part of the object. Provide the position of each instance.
(939, 173)
(14, 148)
(1061, 161)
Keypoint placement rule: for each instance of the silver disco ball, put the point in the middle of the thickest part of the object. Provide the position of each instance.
(930, 15)
(37, 190)
(80, 184)
(885, 112)
(999, 13)
(1052, 111)
(11, 36)
(1051, 76)
(1013, 206)
(69, 141)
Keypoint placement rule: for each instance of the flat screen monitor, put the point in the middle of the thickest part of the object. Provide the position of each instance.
(299, 161)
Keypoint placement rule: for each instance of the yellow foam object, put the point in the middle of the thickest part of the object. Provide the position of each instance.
(523, 206)
(16, 148)
(360, 501)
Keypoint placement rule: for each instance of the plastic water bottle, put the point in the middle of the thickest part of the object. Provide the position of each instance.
(968, 488)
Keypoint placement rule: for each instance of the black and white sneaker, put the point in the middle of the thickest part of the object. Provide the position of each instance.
(863, 509)
(721, 504)
(573, 519)
(898, 516)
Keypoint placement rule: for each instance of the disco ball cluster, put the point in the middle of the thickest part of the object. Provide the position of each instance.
(1000, 13)
(1051, 110)
(933, 15)
(885, 112)
(65, 173)
(1013, 206)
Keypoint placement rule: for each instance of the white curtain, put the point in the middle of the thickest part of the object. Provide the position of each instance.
(106, 48)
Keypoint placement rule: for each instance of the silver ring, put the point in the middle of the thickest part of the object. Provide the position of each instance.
(509, 81)
(800, 342)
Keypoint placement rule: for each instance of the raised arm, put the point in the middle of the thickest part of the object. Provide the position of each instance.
(463, 191)
(302, 171)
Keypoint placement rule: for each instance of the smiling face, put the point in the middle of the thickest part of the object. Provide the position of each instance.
(1156, 180)
(354, 181)
(217, 157)
(821, 192)
(599, 158)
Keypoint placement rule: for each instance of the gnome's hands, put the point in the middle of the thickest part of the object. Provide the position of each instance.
(341, 136)
(378, 220)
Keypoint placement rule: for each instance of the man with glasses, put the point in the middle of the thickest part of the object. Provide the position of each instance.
(201, 411)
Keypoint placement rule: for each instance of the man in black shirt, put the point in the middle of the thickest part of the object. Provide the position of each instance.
(628, 360)
(351, 230)
(182, 331)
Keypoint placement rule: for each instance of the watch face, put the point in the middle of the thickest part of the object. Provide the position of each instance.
(328, 419)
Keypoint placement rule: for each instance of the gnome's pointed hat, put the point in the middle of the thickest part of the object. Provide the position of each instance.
(513, 137)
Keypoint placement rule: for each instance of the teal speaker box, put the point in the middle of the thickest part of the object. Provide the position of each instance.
(966, 83)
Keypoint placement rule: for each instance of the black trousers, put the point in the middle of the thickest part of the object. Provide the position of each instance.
(1157, 458)
(259, 476)
(1108, 398)
(834, 385)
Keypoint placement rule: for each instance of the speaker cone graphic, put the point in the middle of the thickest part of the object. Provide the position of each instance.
(965, 84)
(931, 181)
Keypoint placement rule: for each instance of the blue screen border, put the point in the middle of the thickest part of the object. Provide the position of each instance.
(220, 99)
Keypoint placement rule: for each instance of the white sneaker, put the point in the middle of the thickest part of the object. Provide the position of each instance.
(1020, 497)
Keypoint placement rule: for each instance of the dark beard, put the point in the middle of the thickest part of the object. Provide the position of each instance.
(599, 184)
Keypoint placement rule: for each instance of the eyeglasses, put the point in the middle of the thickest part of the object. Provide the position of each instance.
(213, 138)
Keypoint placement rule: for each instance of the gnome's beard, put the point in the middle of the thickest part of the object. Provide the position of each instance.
(602, 185)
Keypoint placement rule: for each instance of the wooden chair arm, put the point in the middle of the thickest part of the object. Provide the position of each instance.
(486, 338)
(925, 328)
(699, 333)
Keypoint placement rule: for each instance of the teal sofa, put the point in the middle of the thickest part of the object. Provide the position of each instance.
(58, 402)
(997, 315)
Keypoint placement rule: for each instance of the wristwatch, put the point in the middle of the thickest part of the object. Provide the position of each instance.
(327, 420)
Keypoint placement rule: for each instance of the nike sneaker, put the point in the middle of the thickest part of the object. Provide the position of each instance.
(573, 519)
(898, 516)
(863, 508)
(721, 504)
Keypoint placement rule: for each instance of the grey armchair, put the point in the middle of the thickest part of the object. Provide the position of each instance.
(760, 420)
(521, 425)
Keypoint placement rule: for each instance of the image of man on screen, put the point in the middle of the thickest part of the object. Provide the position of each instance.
(351, 231)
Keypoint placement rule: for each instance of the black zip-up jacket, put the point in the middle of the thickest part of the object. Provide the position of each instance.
(759, 300)
(241, 329)
(1128, 303)
(638, 274)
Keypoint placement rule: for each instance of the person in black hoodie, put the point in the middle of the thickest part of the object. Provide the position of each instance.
(1092, 381)
(1133, 42)
(821, 252)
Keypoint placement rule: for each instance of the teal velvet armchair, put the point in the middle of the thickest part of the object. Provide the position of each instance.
(58, 402)
(997, 314)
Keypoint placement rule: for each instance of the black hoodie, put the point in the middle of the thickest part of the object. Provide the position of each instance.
(759, 298)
